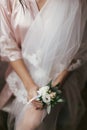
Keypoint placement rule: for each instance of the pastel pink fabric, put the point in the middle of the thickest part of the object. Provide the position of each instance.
(14, 23)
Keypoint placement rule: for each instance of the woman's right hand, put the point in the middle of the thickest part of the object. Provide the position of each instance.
(32, 92)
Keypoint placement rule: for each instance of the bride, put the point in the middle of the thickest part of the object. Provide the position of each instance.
(42, 41)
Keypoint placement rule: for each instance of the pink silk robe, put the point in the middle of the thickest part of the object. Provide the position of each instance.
(14, 23)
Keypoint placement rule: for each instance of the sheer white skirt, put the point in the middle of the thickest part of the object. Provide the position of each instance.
(27, 118)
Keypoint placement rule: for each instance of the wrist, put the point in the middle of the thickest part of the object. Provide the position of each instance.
(61, 78)
(29, 84)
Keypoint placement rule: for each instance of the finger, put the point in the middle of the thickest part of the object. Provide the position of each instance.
(37, 105)
(39, 108)
(39, 102)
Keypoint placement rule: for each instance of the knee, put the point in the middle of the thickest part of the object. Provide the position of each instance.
(27, 125)
(32, 125)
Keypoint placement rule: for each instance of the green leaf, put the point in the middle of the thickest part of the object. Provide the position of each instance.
(50, 83)
(60, 100)
(58, 85)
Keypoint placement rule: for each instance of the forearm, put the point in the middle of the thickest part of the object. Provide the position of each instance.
(61, 77)
(20, 68)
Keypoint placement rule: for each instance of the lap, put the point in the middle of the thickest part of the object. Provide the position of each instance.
(30, 118)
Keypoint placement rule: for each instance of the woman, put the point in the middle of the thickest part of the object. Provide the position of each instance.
(40, 40)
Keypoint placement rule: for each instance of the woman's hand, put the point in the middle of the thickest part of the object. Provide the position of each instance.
(60, 79)
(32, 92)
(20, 68)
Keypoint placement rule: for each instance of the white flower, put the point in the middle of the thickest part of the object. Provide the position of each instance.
(43, 90)
(46, 98)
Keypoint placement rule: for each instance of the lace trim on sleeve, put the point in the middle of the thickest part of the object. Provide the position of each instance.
(17, 87)
(75, 65)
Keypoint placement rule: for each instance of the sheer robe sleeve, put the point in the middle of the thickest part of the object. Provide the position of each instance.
(81, 56)
(9, 49)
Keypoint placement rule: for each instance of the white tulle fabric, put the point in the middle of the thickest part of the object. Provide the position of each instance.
(48, 48)
(51, 43)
